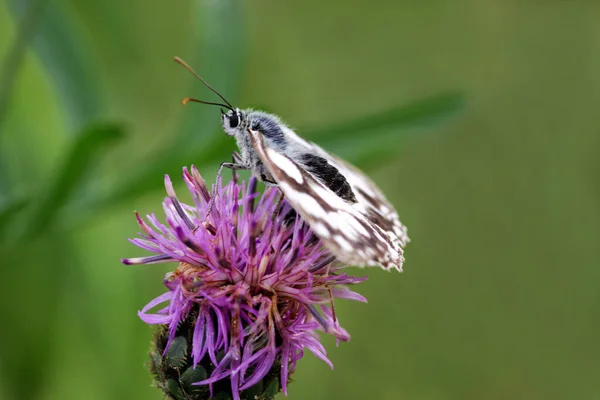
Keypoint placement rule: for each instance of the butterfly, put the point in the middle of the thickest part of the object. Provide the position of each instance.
(343, 207)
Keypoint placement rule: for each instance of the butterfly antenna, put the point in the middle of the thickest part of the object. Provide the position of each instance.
(186, 100)
(180, 61)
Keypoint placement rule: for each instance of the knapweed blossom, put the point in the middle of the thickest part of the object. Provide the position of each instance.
(252, 288)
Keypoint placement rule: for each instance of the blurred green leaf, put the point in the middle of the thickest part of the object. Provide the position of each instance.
(11, 65)
(421, 113)
(370, 141)
(9, 210)
(68, 60)
(150, 179)
(27, 25)
(84, 152)
(373, 157)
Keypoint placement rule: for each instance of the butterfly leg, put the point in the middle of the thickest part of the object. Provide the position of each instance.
(233, 166)
(275, 214)
(236, 158)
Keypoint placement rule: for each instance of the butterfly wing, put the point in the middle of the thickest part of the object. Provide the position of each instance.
(348, 233)
(371, 202)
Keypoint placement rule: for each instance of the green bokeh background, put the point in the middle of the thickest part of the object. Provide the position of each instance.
(489, 152)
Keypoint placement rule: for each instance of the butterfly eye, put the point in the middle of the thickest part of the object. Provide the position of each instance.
(234, 120)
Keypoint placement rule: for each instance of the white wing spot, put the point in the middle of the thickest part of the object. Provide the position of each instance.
(332, 199)
(358, 227)
(341, 221)
(321, 230)
(306, 202)
(285, 165)
(344, 244)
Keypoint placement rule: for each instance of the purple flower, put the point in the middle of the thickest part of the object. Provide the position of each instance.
(253, 279)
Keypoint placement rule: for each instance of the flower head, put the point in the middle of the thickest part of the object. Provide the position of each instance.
(252, 287)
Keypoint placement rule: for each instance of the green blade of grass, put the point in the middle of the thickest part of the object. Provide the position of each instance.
(27, 26)
(79, 160)
(9, 211)
(151, 178)
(60, 45)
(11, 65)
(375, 128)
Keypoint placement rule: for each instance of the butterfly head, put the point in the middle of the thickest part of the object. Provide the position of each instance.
(234, 121)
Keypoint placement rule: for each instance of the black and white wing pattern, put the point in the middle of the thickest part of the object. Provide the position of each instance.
(371, 202)
(364, 231)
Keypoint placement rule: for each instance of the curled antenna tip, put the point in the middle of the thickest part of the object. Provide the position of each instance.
(185, 100)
